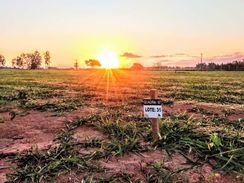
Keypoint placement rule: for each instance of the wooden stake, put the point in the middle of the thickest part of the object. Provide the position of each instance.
(154, 121)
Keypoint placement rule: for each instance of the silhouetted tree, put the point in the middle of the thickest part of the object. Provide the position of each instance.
(33, 60)
(76, 64)
(28, 60)
(13, 62)
(201, 66)
(233, 66)
(47, 58)
(137, 66)
(211, 66)
(93, 63)
(157, 65)
(2, 60)
(19, 61)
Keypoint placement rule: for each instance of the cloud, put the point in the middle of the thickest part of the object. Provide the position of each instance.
(173, 63)
(225, 58)
(158, 56)
(130, 55)
(164, 61)
(174, 55)
(180, 54)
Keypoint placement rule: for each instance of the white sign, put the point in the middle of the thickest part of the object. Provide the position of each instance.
(152, 108)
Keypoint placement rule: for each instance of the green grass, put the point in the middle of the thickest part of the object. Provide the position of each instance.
(215, 87)
(182, 136)
(211, 87)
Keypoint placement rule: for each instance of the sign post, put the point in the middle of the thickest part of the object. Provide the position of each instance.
(153, 110)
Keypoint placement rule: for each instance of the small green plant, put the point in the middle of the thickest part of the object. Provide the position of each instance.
(58, 106)
(91, 143)
(161, 173)
(215, 141)
(120, 147)
(118, 130)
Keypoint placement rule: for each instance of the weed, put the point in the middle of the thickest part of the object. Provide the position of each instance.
(35, 165)
(158, 172)
(119, 177)
(228, 151)
(91, 143)
(117, 130)
(58, 106)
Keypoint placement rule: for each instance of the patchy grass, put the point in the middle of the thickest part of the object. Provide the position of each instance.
(178, 136)
(46, 165)
(205, 137)
(227, 151)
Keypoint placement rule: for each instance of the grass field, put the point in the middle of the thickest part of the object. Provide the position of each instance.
(88, 126)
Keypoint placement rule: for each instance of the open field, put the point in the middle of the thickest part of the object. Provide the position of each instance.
(88, 126)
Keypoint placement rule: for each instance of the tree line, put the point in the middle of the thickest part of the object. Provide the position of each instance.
(89, 63)
(28, 60)
(232, 66)
(34, 61)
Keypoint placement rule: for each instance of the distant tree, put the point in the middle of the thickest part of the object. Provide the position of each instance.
(93, 63)
(33, 60)
(28, 60)
(158, 64)
(13, 62)
(19, 61)
(201, 66)
(2, 60)
(137, 66)
(47, 58)
(76, 64)
(232, 66)
(211, 66)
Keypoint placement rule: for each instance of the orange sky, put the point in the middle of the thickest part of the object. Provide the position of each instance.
(173, 32)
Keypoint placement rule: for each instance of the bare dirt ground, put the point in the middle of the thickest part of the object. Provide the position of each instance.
(39, 129)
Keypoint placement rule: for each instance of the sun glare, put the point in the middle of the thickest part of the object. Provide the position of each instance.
(108, 59)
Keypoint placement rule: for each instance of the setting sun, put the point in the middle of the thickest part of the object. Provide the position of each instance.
(108, 59)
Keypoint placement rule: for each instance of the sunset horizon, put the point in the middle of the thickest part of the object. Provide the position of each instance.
(174, 33)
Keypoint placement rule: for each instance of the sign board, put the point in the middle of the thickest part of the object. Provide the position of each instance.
(152, 108)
